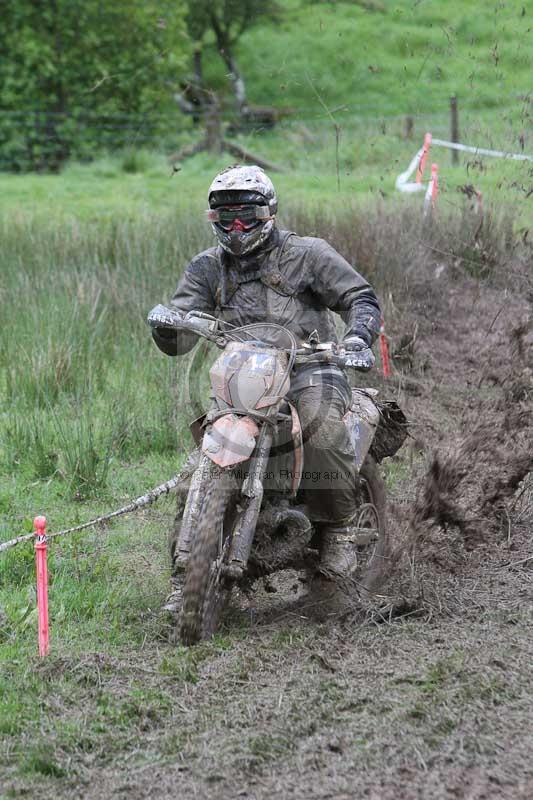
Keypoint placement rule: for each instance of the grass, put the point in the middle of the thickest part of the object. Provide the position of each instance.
(382, 58)
(83, 387)
(370, 157)
(82, 348)
(185, 710)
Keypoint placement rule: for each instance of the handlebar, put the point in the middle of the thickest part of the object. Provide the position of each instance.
(209, 327)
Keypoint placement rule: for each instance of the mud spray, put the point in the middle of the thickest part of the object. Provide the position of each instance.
(470, 388)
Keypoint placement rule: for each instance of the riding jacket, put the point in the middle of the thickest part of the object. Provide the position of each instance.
(295, 281)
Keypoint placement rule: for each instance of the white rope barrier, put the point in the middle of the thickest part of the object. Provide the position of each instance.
(402, 181)
(482, 151)
(403, 184)
(144, 500)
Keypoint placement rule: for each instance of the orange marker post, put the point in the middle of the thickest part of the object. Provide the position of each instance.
(434, 185)
(39, 526)
(384, 351)
(423, 158)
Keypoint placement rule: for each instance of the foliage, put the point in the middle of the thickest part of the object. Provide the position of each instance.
(68, 61)
(231, 17)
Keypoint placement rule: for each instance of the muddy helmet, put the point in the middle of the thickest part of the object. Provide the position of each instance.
(242, 208)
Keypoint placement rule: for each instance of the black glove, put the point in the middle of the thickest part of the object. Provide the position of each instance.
(360, 359)
(358, 353)
(166, 333)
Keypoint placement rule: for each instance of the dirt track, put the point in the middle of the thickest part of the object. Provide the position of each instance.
(425, 692)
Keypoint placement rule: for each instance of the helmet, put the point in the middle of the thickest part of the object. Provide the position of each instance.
(242, 208)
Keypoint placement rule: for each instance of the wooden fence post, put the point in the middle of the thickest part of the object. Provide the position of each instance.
(454, 123)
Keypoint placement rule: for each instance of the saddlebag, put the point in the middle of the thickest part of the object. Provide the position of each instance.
(391, 432)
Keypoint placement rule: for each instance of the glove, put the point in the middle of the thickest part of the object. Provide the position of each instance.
(354, 344)
(362, 360)
(161, 317)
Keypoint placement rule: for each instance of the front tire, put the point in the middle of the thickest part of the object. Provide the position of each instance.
(206, 591)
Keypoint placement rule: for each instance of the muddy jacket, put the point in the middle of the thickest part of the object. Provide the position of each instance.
(295, 281)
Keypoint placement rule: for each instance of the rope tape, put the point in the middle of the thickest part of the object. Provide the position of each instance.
(140, 502)
(482, 151)
(417, 162)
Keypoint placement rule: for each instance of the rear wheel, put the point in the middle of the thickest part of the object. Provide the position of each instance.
(372, 558)
(206, 591)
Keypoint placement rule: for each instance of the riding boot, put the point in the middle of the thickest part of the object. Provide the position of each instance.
(338, 553)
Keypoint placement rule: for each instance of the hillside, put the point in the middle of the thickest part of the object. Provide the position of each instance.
(380, 58)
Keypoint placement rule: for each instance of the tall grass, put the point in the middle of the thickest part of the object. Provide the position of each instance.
(81, 381)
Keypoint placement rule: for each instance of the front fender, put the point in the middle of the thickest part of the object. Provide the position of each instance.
(230, 440)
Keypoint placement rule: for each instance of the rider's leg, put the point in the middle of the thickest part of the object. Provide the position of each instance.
(330, 481)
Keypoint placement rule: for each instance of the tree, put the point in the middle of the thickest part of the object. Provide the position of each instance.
(62, 60)
(225, 21)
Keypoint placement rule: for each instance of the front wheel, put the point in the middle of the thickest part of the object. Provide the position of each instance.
(206, 591)
(373, 558)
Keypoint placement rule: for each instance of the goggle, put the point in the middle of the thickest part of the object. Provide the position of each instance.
(248, 215)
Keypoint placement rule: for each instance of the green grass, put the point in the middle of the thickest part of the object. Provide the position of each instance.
(370, 157)
(371, 66)
(83, 387)
(380, 58)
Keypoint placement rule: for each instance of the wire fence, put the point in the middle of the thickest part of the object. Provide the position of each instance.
(41, 140)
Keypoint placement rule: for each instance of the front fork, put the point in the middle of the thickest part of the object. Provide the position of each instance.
(252, 488)
(191, 510)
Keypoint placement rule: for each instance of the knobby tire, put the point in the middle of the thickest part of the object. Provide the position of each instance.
(205, 592)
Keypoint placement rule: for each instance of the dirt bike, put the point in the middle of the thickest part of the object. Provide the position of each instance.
(242, 518)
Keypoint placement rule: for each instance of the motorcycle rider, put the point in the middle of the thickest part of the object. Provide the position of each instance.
(260, 273)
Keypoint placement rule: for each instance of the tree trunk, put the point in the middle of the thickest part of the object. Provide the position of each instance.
(225, 49)
(213, 132)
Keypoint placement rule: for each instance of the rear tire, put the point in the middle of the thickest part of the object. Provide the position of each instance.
(206, 591)
(374, 558)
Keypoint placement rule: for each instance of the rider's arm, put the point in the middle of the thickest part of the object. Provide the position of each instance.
(346, 292)
(194, 293)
